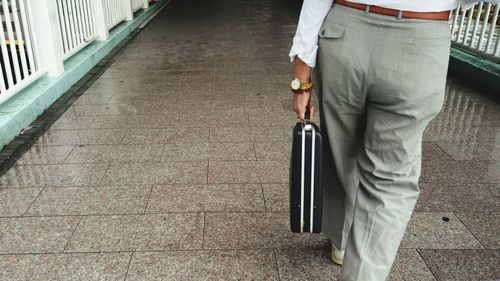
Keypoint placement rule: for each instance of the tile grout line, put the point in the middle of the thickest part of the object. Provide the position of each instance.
(208, 171)
(275, 255)
(124, 135)
(67, 156)
(33, 202)
(128, 266)
(264, 198)
(470, 231)
(72, 234)
(204, 226)
(105, 173)
(426, 265)
(436, 143)
(255, 150)
(149, 197)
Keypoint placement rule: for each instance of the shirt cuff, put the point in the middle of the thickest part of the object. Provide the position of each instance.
(309, 58)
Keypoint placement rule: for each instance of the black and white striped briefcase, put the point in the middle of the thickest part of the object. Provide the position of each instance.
(305, 179)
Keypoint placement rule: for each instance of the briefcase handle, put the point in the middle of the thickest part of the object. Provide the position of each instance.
(307, 115)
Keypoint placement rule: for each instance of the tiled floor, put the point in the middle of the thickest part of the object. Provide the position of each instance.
(174, 166)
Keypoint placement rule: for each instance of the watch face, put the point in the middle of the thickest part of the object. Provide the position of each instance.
(295, 84)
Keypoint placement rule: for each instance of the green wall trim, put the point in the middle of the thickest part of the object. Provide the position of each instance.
(21, 110)
(476, 69)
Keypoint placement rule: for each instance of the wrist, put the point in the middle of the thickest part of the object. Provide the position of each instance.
(301, 70)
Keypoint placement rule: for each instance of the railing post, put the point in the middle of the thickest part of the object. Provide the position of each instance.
(129, 10)
(101, 27)
(48, 35)
(146, 4)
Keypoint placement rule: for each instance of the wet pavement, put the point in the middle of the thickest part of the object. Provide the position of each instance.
(174, 166)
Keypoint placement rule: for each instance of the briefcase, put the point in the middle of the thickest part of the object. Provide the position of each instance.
(306, 178)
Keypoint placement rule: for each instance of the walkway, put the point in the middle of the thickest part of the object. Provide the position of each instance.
(174, 166)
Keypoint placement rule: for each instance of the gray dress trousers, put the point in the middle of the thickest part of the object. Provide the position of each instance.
(380, 81)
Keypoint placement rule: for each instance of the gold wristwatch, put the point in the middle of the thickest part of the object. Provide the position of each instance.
(299, 86)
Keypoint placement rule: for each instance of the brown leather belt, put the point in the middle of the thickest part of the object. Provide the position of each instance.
(395, 13)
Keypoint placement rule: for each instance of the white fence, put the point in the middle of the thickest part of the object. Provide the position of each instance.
(477, 29)
(38, 35)
(139, 4)
(18, 58)
(77, 25)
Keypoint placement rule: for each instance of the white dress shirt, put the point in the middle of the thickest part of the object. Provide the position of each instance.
(305, 42)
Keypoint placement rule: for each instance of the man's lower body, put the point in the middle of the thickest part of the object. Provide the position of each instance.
(381, 80)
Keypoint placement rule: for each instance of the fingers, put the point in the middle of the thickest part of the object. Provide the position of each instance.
(299, 105)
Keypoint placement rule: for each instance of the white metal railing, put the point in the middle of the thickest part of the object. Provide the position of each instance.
(37, 36)
(18, 59)
(139, 4)
(76, 24)
(117, 11)
(477, 29)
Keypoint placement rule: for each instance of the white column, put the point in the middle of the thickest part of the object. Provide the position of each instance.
(101, 27)
(48, 42)
(129, 11)
(146, 4)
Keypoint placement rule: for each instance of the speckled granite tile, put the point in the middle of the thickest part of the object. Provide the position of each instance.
(42, 267)
(277, 197)
(198, 116)
(245, 134)
(144, 102)
(201, 198)
(35, 235)
(203, 150)
(495, 189)
(463, 265)
(73, 123)
(45, 155)
(428, 230)
(168, 135)
(149, 121)
(264, 104)
(485, 225)
(138, 233)
(273, 150)
(14, 202)
(474, 171)
(55, 175)
(456, 117)
(156, 173)
(444, 131)
(307, 264)
(102, 109)
(230, 117)
(203, 265)
(90, 201)
(466, 150)
(115, 153)
(248, 172)
(456, 197)
(256, 231)
(276, 117)
(93, 99)
(81, 137)
(409, 266)
(431, 152)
